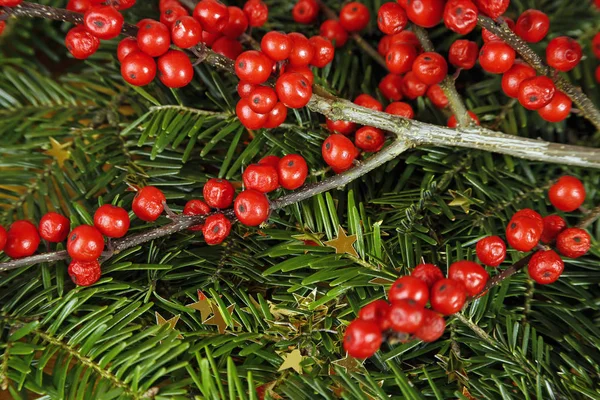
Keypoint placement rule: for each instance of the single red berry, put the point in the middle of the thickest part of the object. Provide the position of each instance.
(218, 193)
(10, 3)
(216, 229)
(261, 177)
(305, 11)
(3, 238)
(488, 36)
(124, 4)
(391, 87)
(405, 316)
(292, 170)
(212, 15)
(573, 242)
(376, 312)
(277, 116)
(138, 68)
(433, 327)
(453, 123)
(553, 225)
(425, 13)
(276, 45)
(596, 45)
(293, 90)
(401, 109)
(252, 207)
(303, 70)
(532, 26)
(333, 30)
(227, 47)
(154, 38)
(253, 66)
(362, 338)
(257, 12)
(463, 54)
(323, 51)
(186, 32)
(448, 296)
(472, 275)
(196, 207)
(85, 243)
(338, 151)
(81, 43)
(175, 69)
(400, 58)
(84, 273)
(209, 38)
(411, 289)
(545, 267)
(79, 6)
(172, 14)
(431, 68)
(436, 95)
(460, 16)
(302, 50)
(558, 109)
(407, 37)
(22, 239)
(126, 46)
(391, 18)
(111, 221)
(364, 100)
(104, 22)
(149, 203)
(524, 233)
(491, 251)
(567, 194)
(164, 4)
(512, 79)
(271, 160)
(529, 213)
(248, 117)
(262, 99)
(54, 227)
(244, 89)
(369, 139)
(492, 8)
(563, 53)
(384, 45)
(354, 16)
(428, 273)
(496, 57)
(237, 23)
(339, 126)
(412, 86)
(536, 92)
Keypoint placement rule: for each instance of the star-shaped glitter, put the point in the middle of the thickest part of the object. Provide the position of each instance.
(343, 244)
(292, 360)
(218, 320)
(160, 321)
(59, 151)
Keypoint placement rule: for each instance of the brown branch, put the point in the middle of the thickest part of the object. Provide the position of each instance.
(590, 217)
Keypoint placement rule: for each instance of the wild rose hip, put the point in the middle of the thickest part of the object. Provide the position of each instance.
(433, 327)
(218, 193)
(362, 338)
(410, 289)
(333, 30)
(425, 13)
(84, 273)
(496, 57)
(104, 22)
(324, 51)
(448, 296)
(81, 43)
(428, 273)
(305, 11)
(276, 45)
(400, 58)
(463, 54)
(22, 239)
(553, 225)
(138, 68)
(338, 151)
(54, 227)
(472, 275)
(511, 79)
(460, 16)
(545, 267)
(563, 53)
(196, 207)
(491, 251)
(154, 38)
(186, 32)
(85, 243)
(292, 170)
(532, 26)
(354, 16)
(251, 207)
(216, 229)
(391, 18)
(212, 15)
(558, 109)
(261, 177)
(248, 117)
(431, 68)
(293, 90)
(401, 109)
(369, 139)
(573, 242)
(257, 12)
(377, 312)
(536, 92)
(405, 316)
(175, 69)
(567, 194)
(112, 221)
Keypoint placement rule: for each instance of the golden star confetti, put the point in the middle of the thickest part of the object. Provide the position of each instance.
(160, 321)
(343, 244)
(59, 151)
(350, 364)
(292, 360)
(218, 320)
(202, 305)
(462, 199)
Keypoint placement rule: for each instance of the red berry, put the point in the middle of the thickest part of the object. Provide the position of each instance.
(472, 275)
(85, 243)
(84, 273)
(248, 117)
(492, 8)
(369, 139)
(216, 229)
(512, 79)
(362, 338)
(433, 327)
(261, 177)
(463, 54)
(436, 95)
(138, 68)
(384, 45)
(149, 203)
(490, 37)
(536, 92)
(428, 273)
(303, 70)
(411, 289)
(532, 26)
(391, 87)
(277, 116)
(354, 16)
(563, 53)
(496, 57)
(491, 251)
(79, 6)
(376, 312)
(257, 12)
(262, 99)
(293, 90)
(323, 51)
(218, 193)
(175, 69)
(154, 38)
(431, 68)
(186, 32)
(412, 86)
(54, 227)
(237, 23)
(252, 207)
(253, 66)
(2, 26)
(22, 239)
(553, 225)
(405, 316)
(391, 18)
(276, 45)
(453, 123)
(302, 51)
(573, 242)
(104, 22)
(567, 194)
(127, 46)
(111, 221)
(3, 238)
(339, 126)
(448, 296)
(229, 48)
(271, 160)
(292, 170)
(212, 15)
(558, 109)
(460, 16)
(124, 4)
(406, 37)
(425, 13)
(596, 45)
(210, 38)
(333, 30)
(172, 14)
(364, 100)
(305, 11)
(80, 43)
(524, 233)
(400, 58)
(545, 267)
(401, 109)
(10, 3)
(244, 89)
(338, 151)
(196, 207)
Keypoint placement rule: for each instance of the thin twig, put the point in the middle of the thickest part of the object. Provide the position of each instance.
(590, 217)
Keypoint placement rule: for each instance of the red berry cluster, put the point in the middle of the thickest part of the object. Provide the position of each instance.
(406, 313)
(596, 50)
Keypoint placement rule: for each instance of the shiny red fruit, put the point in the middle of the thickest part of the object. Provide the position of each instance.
(262, 99)
(79, 6)
(212, 15)
(401, 109)
(218, 193)
(384, 45)
(532, 26)
(302, 51)
(567, 194)
(172, 14)
(512, 79)
(277, 116)
(339, 126)
(138, 68)
(412, 86)
(111, 221)
(293, 90)
(154, 38)
(573, 242)
(303, 70)
(244, 89)
(186, 32)
(354, 16)
(149, 203)
(405, 316)
(261, 177)
(333, 30)
(3, 238)
(252, 207)
(54, 227)
(362, 338)
(536, 92)
(463, 54)
(407, 37)
(22, 239)
(104, 22)
(292, 170)
(126, 46)
(391, 18)
(563, 53)
(175, 69)
(237, 23)
(391, 87)
(488, 36)
(425, 13)
(436, 95)
(524, 233)
(496, 57)
(369, 139)
(210, 38)
(376, 312)
(323, 51)
(196, 207)
(276, 45)
(248, 117)
(453, 123)
(448, 296)
(124, 4)
(253, 66)
(364, 100)
(271, 160)
(216, 229)
(410, 289)
(433, 327)
(545, 267)
(472, 275)
(491, 251)
(80, 43)
(10, 3)
(431, 68)
(492, 8)
(305, 11)
(229, 48)
(400, 58)
(338, 151)
(85, 243)
(84, 273)
(428, 273)
(460, 16)
(257, 12)
(558, 109)
(553, 225)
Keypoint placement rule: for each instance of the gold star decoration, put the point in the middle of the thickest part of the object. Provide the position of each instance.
(160, 321)
(59, 151)
(350, 364)
(292, 360)
(218, 320)
(343, 244)
(202, 305)
(462, 199)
